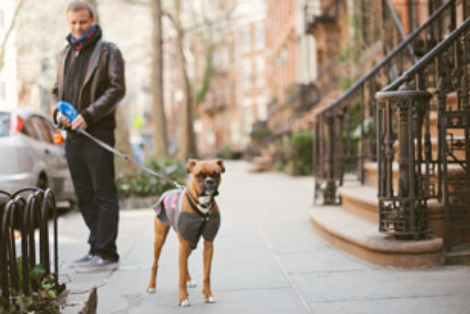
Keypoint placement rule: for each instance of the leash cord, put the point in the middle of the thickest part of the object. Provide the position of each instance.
(127, 157)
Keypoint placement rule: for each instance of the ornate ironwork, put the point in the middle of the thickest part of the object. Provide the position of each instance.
(401, 117)
(358, 104)
(25, 215)
(404, 212)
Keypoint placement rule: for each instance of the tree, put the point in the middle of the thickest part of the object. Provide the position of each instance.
(123, 143)
(187, 138)
(158, 113)
(8, 33)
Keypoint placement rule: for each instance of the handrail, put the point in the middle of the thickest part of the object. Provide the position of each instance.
(388, 58)
(429, 56)
(399, 26)
(396, 19)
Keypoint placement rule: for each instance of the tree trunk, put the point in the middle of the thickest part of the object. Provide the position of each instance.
(187, 138)
(160, 137)
(122, 136)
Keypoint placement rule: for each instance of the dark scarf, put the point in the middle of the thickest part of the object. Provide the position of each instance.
(89, 38)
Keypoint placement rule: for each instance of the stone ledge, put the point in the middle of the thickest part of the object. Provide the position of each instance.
(362, 238)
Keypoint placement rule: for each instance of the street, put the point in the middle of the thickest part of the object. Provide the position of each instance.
(268, 259)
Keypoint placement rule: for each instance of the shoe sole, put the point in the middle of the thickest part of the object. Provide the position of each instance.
(77, 265)
(84, 270)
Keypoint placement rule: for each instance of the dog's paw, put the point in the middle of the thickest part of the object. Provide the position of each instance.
(184, 303)
(151, 290)
(210, 300)
(191, 284)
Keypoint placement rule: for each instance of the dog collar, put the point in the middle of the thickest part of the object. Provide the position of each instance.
(201, 208)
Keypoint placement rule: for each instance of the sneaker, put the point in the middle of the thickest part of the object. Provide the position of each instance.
(97, 264)
(81, 261)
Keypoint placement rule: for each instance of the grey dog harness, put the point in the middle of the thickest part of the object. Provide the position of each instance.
(191, 226)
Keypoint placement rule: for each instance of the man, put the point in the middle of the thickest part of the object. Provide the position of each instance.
(91, 77)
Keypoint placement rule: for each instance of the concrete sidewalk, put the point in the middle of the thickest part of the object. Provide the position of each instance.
(267, 259)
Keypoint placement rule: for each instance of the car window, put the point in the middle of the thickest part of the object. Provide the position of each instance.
(29, 128)
(42, 130)
(4, 124)
(49, 127)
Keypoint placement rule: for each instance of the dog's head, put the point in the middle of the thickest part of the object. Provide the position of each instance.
(206, 176)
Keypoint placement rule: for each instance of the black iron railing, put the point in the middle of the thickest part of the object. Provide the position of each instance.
(24, 216)
(345, 136)
(404, 108)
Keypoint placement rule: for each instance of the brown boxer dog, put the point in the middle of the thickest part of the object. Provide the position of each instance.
(193, 213)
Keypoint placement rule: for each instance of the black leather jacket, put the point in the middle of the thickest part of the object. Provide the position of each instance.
(102, 89)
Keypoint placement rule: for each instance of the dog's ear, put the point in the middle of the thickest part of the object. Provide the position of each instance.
(220, 162)
(190, 165)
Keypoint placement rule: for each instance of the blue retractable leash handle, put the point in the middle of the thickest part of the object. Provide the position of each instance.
(71, 113)
(68, 110)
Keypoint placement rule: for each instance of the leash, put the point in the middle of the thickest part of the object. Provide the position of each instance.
(71, 113)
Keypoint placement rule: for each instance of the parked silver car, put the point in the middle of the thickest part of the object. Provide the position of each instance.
(29, 156)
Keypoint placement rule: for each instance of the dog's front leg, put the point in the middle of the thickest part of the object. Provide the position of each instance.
(184, 251)
(161, 231)
(208, 254)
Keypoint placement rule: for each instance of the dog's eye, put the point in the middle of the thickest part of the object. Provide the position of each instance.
(200, 176)
(215, 175)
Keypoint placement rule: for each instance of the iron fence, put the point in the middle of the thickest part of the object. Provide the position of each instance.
(21, 214)
(345, 137)
(403, 195)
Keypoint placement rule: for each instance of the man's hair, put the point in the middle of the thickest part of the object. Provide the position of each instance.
(81, 5)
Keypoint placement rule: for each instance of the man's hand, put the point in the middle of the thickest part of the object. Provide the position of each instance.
(63, 120)
(79, 123)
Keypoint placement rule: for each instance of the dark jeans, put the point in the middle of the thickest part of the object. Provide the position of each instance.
(92, 170)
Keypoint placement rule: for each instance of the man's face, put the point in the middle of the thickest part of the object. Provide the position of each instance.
(79, 21)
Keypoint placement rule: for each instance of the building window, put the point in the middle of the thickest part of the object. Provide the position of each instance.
(247, 75)
(261, 108)
(246, 40)
(259, 37)
(260, 72)
(221, 60)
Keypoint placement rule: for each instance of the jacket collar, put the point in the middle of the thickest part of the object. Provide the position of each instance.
(94, 61)
(92, 65)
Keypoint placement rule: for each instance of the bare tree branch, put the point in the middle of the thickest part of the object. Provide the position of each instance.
(8, 33)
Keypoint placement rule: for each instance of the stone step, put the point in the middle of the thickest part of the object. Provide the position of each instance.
(360, 237)
(434, 130)
(458, 256)
(362, 200)
(455, 173)
(457, 135)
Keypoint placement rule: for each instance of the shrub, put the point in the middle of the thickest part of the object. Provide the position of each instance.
(227, 152)
(144, 184)
(302, 151)
(260, 134)
(294, 154)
